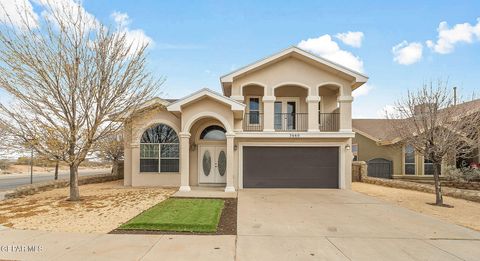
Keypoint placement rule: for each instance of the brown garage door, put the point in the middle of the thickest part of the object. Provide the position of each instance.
(290, 167)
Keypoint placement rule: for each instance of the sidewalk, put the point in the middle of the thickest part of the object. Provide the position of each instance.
(41, 245)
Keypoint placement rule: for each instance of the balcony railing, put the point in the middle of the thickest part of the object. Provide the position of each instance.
(286, 122)
(291, 121)
(253, 121)
(329, 121)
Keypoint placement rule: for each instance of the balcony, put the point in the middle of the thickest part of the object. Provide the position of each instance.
(253, 121)
(291, 122)
(329, 121)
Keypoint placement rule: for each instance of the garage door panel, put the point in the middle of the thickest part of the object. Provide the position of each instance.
(290, 167)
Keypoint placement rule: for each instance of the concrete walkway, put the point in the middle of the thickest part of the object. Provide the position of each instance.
(273, 225)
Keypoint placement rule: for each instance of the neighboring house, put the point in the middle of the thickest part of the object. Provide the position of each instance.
(376, 143)
(281, 122)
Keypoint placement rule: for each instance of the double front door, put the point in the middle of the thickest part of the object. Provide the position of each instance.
(285, 113)
(212, 164)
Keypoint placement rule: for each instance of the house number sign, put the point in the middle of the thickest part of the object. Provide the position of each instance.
(294, 135)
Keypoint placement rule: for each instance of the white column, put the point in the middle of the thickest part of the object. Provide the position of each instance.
(135, 166)
(268, 113)
(312, 102)
(184, 161)
(230, 162)
(345, 113)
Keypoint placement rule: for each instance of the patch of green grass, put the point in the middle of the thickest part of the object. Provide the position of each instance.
(177, 214)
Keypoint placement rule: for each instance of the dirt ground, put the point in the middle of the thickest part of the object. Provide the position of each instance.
(103, 208)
(465, 213)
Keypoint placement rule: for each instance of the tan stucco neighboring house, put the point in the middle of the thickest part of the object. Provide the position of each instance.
(283, 121)
(376, 142)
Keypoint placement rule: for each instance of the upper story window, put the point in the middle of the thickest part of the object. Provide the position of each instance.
(355, 152)
(213, 132)
(159, 150)
(254, 110)
(409, 158)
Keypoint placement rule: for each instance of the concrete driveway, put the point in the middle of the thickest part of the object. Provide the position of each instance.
(292, 224)
(272, 225)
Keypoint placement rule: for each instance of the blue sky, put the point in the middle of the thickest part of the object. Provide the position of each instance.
(195, 42)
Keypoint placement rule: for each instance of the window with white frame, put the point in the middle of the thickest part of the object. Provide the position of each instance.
(254, 110)
(409, 159)
(159, 150)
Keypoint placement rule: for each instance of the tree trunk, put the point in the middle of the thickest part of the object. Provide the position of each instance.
(56, 170)
(438, 187)
(115, 167)
(74, 191)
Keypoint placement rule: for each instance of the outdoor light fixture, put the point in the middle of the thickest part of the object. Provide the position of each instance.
(235, 147)
(347, 147)
(193, 147)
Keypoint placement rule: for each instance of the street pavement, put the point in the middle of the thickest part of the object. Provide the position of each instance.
(11, 181)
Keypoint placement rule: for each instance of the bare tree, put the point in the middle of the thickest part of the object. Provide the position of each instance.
(68, 74)
(111, 149)
(429, 120)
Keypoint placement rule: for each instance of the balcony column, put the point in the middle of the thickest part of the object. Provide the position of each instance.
(184, 161)
(312, 102)
(268, 113)
(345, 113)
(230, 160)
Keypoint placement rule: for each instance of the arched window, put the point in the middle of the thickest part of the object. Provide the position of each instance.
(213, 132)
(159, 150)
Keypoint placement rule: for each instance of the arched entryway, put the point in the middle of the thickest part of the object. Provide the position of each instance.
(212, 156)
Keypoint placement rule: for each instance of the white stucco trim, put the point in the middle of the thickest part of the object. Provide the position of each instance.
(184, 189)
(154, 121)
(208, 114)
(234, 105)
(300, 135)
(359, 78)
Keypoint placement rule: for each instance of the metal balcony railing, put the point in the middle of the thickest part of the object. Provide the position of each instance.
(286, 122)
(253, 121)
(329, 121)
(290, 121)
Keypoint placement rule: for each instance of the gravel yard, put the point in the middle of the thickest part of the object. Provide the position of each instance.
(103, 208)
(465, 213)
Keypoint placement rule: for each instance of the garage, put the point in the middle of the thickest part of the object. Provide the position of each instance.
(290, 167)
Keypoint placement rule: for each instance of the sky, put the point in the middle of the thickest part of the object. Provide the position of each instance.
(399, 45)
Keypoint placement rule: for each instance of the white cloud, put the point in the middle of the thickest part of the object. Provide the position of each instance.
(448, 37)
(407, 53)
(325, 47)
(12, 11)
(137, 37)
(362, 90)
(389, 111)
(351, 38)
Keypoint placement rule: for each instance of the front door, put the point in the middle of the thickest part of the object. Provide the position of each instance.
(212, 164)
(285, 110)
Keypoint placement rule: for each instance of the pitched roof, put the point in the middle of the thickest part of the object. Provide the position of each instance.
(293, 50)
(382, 130)
(379, 130)
(177, 105)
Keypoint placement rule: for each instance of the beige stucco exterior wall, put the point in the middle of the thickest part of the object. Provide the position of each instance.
(133, 132)
(291, 71)
(368, 149)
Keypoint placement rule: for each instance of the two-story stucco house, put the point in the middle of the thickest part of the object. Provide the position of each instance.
(282, 122)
